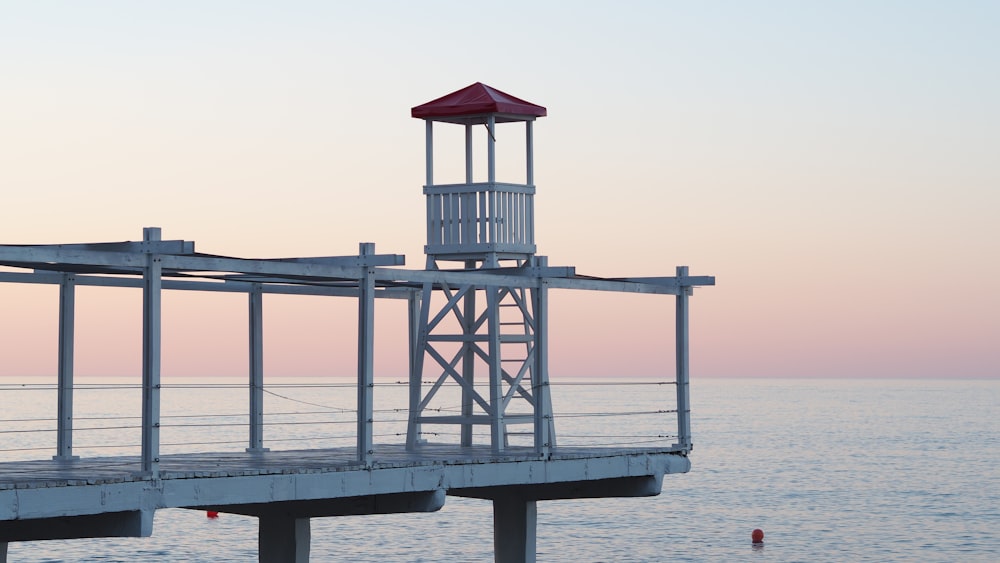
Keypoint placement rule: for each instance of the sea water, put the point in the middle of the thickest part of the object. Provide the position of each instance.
(831, 470)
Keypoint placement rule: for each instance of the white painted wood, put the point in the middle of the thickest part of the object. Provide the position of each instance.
(151, 295)
(483, 219)
(477, 419)
(493, 210)
(143, 246)
(491, 153)
(529, 149)
(529, 215)
(510, 216)
(449, 370)
(468, 154)
(413, 427)
(48, 489)
(479, 187)
(67, 330)
(233, 284)
(431, 200)
(469, 219)
(468, 359)
(366, 359)
(683, 365)
(436, 204)
(429, 147)
(132, 261)
(481, 225)
(256, 361)
(273, 271)
(413, 348)
(373, 260)
(276, 276)
(497, 427)
(543, 415)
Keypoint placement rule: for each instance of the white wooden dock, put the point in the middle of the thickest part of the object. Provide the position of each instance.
(478, 321)
(51, 473)
(107, 497)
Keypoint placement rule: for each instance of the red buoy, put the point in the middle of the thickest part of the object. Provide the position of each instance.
(757, 536)
(211, 514)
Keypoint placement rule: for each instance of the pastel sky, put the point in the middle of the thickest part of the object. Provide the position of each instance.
(836, 165)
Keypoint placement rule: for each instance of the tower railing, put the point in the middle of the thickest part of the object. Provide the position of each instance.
(480, 217)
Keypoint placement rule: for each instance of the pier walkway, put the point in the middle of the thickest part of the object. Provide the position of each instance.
(65, 495)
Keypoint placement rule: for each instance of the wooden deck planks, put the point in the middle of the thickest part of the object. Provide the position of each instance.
(92, 471)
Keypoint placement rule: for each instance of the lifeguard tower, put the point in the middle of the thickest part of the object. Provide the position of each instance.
(480, 222)
(497, 330)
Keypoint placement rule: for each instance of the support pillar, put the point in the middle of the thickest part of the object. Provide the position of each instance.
(429, 133)
(514, 523)
(497, 423)
(683, 362)
(151, 290)
(283, 539)
(468, 358)
(67, 311)
(3, 552)
(418, 318)
(468, 154)
(366, 357)
(256, 369)
(544, 424)
(491, 152)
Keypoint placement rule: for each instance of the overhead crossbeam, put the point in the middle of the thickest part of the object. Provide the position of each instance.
(176, 258)
(143, 246)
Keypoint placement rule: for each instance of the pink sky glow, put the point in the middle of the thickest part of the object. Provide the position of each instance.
(833, 165)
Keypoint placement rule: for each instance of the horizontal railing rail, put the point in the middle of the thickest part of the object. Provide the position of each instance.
(212, 417)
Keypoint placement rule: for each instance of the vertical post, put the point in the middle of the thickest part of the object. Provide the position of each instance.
(683, 362)
(529, 144)
(544, 427)
(491, 149)
(497, 427)
(413, 325)
(366, 356)
(67, 311)
(468, 154)
(430, 151)
(256, 324)
(283, 538)
(419, 316)
(151, 289)
(468, 357)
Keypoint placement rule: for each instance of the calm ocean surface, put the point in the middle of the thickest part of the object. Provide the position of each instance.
(831, 470)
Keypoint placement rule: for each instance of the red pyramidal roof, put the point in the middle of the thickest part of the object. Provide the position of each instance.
(476, 99)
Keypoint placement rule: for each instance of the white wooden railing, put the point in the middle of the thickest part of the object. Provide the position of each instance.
(480, 217)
